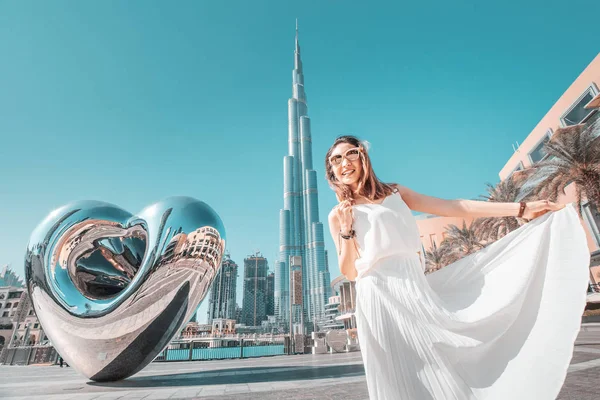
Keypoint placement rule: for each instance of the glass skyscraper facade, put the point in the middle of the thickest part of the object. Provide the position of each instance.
(254, 303)
(222, 298)
(271, 294)
(301, 232)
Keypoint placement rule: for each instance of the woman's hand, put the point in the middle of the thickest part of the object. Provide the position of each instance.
(345, 216)
(538, 208)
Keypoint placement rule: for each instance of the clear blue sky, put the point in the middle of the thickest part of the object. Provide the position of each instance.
(131, 102)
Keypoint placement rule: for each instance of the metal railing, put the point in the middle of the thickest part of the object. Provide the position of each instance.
(187, 349)
(191, 350)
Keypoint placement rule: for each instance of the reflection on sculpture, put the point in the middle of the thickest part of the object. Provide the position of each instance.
(111, 289)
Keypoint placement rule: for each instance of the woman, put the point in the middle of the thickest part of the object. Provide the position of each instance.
(498, 324)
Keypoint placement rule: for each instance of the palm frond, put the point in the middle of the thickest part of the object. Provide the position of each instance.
(573, 157)
(460, 242)
(490, 229)
(434, 258)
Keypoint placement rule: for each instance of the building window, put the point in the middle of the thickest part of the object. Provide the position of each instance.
(593, 117)
(519, 167)
(8, 305)
(592, 218)
(577, 114)
(16, 304)
(35, 326)
(5, 314)
(539, 152)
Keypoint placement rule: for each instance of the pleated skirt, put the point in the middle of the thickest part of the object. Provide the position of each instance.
(498, 324)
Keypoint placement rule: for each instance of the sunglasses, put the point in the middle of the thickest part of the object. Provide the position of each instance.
(350, 155)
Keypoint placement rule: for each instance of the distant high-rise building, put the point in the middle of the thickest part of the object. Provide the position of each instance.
(271, 294)
(9, 278)
(221, 300)
(238, 314)
(254, 306)
(301, 232)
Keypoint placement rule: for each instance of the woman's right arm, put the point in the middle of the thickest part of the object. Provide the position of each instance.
(345, 248)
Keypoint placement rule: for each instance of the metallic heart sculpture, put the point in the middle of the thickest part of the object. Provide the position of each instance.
(337, 340)
(111, 289)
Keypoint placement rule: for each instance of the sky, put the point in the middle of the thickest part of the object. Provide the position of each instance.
(132, 102)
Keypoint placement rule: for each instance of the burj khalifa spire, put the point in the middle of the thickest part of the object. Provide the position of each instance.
(301, 232)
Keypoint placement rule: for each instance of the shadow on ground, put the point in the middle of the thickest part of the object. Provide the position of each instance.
(235, 376)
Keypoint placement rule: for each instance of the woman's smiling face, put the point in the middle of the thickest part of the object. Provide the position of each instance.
(346, 164)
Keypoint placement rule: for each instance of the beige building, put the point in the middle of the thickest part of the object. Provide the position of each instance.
(346, 291)
(14, 301)
(433, 228)
(332, 312)
(223, 326)
(578, 104)
(193, 329)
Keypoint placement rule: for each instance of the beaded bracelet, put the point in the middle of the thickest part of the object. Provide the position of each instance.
(350, 235)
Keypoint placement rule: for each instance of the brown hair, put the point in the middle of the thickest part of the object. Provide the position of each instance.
(368, 184)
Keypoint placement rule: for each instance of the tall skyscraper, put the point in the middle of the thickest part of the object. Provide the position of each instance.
(221, 301)
(271, 294)
(301, 232)
(254, 305)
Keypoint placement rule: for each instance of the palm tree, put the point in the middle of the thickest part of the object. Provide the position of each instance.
(460, 242)
(490, 229)
(434, 258)
(573, 157)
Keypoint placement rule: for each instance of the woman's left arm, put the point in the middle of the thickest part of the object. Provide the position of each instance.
(473, 208)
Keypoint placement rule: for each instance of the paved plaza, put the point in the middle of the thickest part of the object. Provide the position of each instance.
(326, 376)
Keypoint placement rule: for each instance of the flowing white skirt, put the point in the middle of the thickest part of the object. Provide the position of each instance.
(499, 324)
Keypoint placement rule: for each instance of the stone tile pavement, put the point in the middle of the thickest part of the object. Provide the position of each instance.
(327, 376)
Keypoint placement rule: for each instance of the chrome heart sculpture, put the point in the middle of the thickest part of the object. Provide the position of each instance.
(337, 340)
(111, 289)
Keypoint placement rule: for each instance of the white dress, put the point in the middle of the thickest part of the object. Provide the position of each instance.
(498, 324)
